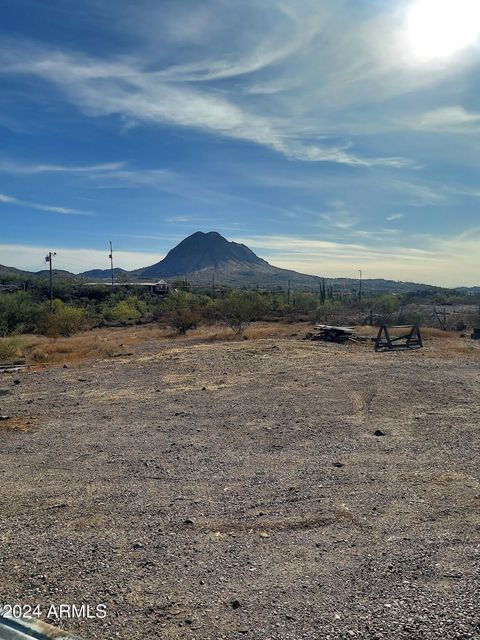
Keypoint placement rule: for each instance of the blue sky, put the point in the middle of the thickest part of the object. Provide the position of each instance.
(328, 136)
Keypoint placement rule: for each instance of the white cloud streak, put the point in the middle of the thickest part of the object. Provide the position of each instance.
(34, 169)
(455, 120)
(126, 88)
(10, 200)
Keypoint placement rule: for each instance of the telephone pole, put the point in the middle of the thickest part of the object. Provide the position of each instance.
(48, 258)
(110, 255)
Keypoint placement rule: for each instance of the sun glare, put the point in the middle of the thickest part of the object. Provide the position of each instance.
(440, 28)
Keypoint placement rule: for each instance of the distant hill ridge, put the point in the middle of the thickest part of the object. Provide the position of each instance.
(202, 256)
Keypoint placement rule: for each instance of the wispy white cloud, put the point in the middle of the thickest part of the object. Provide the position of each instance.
(108, 174)
(371, 234)
(7, 166)
(339, 219)
(394, 216)
(175, 219)
(455, 119)
(163, 179)
(103, 87)
(10, 200)
(417, 193)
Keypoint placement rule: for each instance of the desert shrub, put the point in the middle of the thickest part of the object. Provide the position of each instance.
(182, 319)
(64, 321)
(471, 320)
(39, 354)
(239, 309)
(10, 348)
(386, 305)
(129, 310)
(184, 310)
(304, 302)
(411, 317)
(19, 313)
(330, 312)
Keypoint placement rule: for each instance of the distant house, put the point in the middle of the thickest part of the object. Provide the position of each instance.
(159, 288)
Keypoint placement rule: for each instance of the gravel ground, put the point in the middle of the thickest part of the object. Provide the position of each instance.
(238, 490)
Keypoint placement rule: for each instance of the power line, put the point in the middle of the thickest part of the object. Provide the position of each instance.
(48, 258)
(111, 261)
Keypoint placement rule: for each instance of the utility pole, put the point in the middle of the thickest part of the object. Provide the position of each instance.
(111, 262)
(360, 290)
(48, 258)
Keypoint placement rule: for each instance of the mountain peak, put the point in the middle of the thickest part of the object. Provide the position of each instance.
(202, 251)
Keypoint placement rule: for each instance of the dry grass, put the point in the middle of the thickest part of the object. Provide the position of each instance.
(261, 330)
(262, 525)
(70, 350)
(108, 342)
(429, 332)
(363, 400)
(10, 348)
(18, 423)
(222, 333)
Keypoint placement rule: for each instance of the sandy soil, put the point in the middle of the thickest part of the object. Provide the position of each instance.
(209, 490)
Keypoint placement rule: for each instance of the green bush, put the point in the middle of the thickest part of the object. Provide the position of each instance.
(19, 313)
(182, 319)
(10, 348)
(386, 304)
(126, 311)
(239, 309)
(412, 317)
(64, 321)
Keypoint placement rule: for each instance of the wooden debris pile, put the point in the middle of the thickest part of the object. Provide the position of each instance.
(330, 333)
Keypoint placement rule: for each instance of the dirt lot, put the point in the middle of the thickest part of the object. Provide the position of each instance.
(235, 489)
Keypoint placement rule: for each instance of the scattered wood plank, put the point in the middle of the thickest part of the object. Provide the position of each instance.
(331, 333)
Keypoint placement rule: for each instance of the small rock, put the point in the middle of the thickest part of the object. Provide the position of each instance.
(189, 521)
(379, 432)
(264, 534)
(235, 604)
(65, 366)
(339, 465)
(5, 392)
(4, 417)
(17, 381)
(137, 545)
